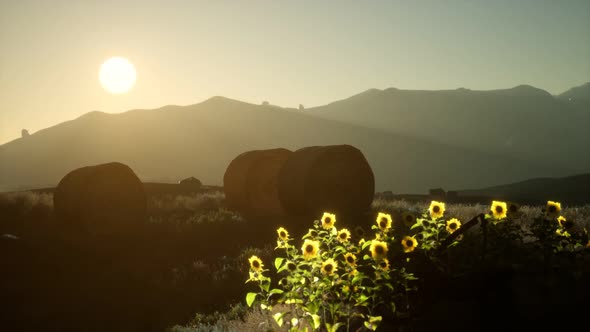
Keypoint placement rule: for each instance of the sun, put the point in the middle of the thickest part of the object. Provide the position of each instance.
(117, 75)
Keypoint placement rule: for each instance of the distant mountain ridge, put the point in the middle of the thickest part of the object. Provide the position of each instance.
(522, 122)
(173, 142)
(568, 190)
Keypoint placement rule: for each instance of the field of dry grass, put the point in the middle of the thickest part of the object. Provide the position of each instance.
(191, 259)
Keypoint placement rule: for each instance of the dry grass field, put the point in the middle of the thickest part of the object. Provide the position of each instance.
(185, 270)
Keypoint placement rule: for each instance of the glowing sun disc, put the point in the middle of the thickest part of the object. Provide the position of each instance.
(117, 75)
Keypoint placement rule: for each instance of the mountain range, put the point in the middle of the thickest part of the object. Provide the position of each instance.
(414, 140)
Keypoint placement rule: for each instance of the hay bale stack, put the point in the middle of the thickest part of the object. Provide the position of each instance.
(250, 182)
(101, 199)
(334, 178)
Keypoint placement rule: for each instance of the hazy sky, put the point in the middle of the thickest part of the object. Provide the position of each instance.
(286, 52)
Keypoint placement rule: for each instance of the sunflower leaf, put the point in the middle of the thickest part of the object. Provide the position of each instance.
(275, 291)
(278, 317)
(278, 262)
(316, 321)
(250, 298)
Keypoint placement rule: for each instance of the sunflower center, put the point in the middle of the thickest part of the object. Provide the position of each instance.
(552, 208)
(499, 209)
(343, 236)
(409, 243)
(383, 264)
(436, 209)
(328, 220)
(383, 223)
(309, 248)
(453, 226)
(349, 259)
(283, 234)
(379, 250)
(255, 264)
(328, 268)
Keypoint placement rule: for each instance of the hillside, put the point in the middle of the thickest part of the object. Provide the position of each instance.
(573, 189)
(174, 142)
(523, 122)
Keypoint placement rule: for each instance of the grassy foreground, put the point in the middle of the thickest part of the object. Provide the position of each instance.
(186, 270)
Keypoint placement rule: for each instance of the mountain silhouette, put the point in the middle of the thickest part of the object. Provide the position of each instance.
(574, 189)
(523, 122)
(172, 142)
(578, 98)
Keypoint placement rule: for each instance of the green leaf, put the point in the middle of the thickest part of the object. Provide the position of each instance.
(278, 262)
(316, 321)
(362, 298)
(366, 244)
(265, 284)
(250, 298)
(313, 307)
(333, 328)
(416, 225)
(279, 317)
(373, 322)
(275, 291)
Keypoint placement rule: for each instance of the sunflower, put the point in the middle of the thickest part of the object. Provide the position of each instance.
(310, 249)
(499, 209)
(384, 221)
(553, 209)
(350, 259)
(343, 235)
(512, 209)
(409, 243)
(283, 234)
(409, 219)
(328, 220)
(359, 232)
(384, 264)
(453, 225)
(329, 267)
(436, 209)
(378, 249)
(255, 263)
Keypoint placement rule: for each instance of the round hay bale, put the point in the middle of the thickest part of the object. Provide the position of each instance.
(102, 199)
(332, 178)
(250, 182)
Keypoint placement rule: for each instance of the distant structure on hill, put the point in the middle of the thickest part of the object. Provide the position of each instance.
(24, 133)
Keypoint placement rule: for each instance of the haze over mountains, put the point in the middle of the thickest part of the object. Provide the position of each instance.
(413, 140)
